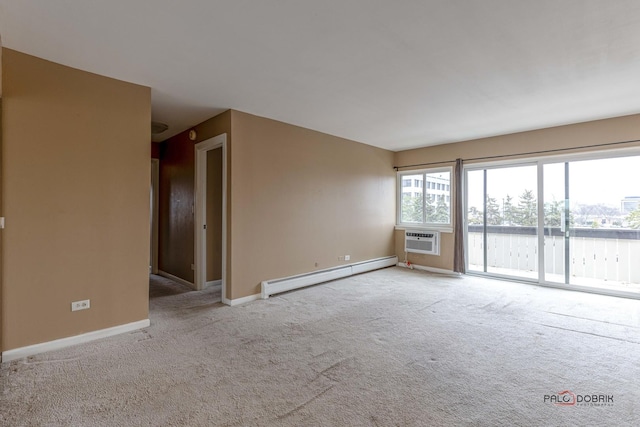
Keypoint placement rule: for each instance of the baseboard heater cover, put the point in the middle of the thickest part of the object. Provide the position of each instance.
(276, 286)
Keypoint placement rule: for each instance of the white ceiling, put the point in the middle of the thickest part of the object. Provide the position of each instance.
(396, 74)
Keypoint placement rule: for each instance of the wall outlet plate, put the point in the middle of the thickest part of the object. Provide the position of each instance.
(347, 257)
(80, 305)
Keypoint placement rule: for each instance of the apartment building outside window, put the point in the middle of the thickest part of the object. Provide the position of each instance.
(424, 198)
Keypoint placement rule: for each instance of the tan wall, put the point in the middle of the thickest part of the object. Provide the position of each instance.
(177, 175)
(618, 129)
(301, 199)
(76, 199)
(214, 214)
(443, 261)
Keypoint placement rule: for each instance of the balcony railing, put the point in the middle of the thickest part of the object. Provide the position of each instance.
(598, 257)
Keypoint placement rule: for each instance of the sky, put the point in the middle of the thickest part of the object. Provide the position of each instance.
(605, 181)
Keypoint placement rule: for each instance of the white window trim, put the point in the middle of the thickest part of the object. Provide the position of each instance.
(444, 228)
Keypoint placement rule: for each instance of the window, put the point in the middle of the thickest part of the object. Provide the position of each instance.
(556, 221)
(406, 183)
(423, 208)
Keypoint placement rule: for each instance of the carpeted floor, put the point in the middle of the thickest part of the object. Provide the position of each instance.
(389, 348)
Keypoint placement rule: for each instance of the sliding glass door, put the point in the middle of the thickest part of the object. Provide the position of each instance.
(573, 223)
(502, 217)
(605, 210)
(556, 229)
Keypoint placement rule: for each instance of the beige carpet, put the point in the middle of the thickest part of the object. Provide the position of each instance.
(389, 348)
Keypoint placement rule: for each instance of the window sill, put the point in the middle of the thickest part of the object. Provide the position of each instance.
(442, 229)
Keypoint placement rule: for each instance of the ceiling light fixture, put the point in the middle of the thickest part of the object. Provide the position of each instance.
(158, 127)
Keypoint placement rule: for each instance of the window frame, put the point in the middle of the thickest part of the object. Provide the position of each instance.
(440, 226)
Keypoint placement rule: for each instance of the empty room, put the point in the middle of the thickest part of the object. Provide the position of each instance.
(340, 213)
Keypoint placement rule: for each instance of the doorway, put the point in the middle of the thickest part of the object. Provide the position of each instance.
(210, 214)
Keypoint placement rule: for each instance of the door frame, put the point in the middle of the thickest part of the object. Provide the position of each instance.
(155, 184)
(200, 209)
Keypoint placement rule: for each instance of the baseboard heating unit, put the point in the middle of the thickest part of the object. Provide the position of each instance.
(276, 286)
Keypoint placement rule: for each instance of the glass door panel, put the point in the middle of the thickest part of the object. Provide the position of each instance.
(555, 227)
(502, 215)
(511, 221)
(475, 220)
(604, 236)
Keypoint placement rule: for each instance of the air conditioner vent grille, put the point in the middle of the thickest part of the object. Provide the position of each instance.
(422, 242)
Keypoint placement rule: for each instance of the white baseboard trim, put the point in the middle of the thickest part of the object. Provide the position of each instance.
(213, 283)
(430, 269)
(30, 350)
(284, 284)
(242, 300)
(176, 279)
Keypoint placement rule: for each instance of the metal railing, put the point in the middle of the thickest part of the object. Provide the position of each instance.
(606, 255)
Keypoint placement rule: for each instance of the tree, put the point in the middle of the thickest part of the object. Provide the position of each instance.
(475, 216)
(553, 214)
(493, 212)
(429, 209)
(411, 208)
(509, 211)
(633, 219)
(527, 209)
(441, 213)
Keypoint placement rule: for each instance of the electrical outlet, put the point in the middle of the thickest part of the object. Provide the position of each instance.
(80, 305)
(347, 257)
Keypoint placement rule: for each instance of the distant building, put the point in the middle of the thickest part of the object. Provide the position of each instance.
(629, 204)
(437, 186)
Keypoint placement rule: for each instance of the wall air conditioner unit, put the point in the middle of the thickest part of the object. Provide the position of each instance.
(422, 242)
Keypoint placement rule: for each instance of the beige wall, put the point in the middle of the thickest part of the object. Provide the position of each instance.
(614, 130)
(295, 198)
(76, 199)
(214, 214)
(301, 199)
